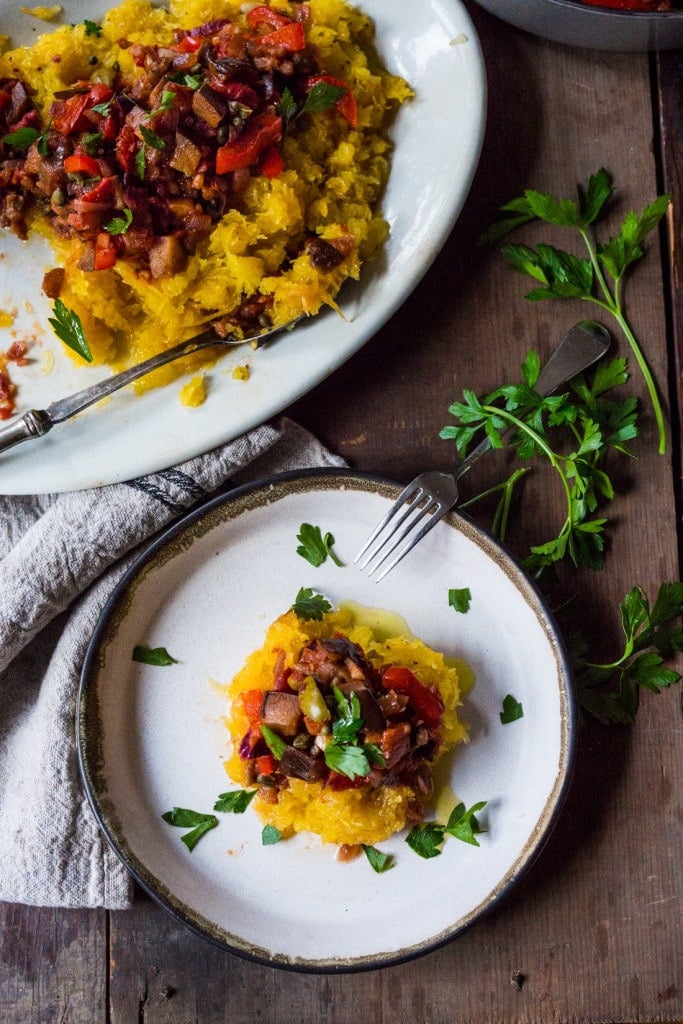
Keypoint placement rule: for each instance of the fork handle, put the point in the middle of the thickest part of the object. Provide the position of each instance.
(33, 423)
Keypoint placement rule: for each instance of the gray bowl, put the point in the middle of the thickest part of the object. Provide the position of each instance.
(578, 24)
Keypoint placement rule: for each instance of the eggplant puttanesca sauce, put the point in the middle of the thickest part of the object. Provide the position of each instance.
(142, 169)
(340, 721)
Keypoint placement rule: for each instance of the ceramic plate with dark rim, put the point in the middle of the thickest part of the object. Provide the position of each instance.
(151, 738)
(436, 137)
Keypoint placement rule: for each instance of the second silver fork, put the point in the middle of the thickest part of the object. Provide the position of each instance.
(430, 496)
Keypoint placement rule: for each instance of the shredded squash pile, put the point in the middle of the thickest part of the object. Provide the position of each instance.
(351, 816)
(333, 177)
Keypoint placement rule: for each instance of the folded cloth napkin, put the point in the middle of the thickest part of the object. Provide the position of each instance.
(61, 556)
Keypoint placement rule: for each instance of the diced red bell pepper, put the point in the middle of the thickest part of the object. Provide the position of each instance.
(188, 44)
(65, 113)
(262, 15)
(251, 705)
(338, 783)
(265, 765)
(126, 147)
(290, 38)
(81, 163)
(346, 104)
(261, 131)
(105, 251)
(426, 704)
(102, 192)
(271, 162)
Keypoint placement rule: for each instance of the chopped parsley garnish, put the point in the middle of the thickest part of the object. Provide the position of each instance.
(322, 96)
(104, 108)
(309, 605)
(153, 656)
(460, 599)
(347, 759)
(151, 138)
(22, 138)
(315, 547)
(348, 722)
(90, 142)
(270, 835)
(69, 329)
(426, 839)
(234, 802)
(276, 745)
(92, 28)
(119, 225)
(512, 710)
(141, 161)
(379, 861)
(167, 101)
(199, 824)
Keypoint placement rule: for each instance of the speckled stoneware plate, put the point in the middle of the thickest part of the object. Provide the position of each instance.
(437, 138)
(152, 738)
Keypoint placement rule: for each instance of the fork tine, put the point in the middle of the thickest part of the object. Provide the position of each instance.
(410, 491)
(435, 518)
(433, 507)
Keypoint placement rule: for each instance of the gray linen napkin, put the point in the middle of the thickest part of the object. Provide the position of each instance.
(61, 556)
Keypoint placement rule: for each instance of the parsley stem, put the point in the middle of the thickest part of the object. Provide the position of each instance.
(502, 513)
(612, 304)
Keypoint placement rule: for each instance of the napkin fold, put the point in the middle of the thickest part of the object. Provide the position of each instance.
(61, 557)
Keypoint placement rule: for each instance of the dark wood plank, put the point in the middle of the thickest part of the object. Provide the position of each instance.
(52, 965)
(670, 87)
(593, 929)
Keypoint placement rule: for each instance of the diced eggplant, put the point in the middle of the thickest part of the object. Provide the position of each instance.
(395, 743)
(186, 155)
(209, 105)
(298, 764)
(281, 711)
(370, 711)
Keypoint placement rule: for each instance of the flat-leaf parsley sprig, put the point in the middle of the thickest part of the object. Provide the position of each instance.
(585, 419)
(610, 692)
(599, 278)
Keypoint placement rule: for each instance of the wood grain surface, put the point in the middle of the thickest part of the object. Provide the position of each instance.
(592, 933)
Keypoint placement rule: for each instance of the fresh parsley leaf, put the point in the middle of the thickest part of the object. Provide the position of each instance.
(236, 801)
(462, 823)
(322, 96)
(69, 329)
(309, 605)
(588, 421)
(610, 691)
(270, 835)
(151, 138)
(347, 759)
(105, 108)
(119, 225)
(597, 278)
(345, 727)
(153, 656)
(92, 28)
(167, 101)
(22, 138)
(426, 839)
(460, 599)
(276, 745)
(315, 547)
(512, 710)
(90, 142)
(379, 861)
(140, 161)
(199, 823)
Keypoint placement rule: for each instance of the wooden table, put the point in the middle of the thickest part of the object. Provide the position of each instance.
(593, 932)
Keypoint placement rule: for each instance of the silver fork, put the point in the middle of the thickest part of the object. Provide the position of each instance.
(428, 497)
(37, 422)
